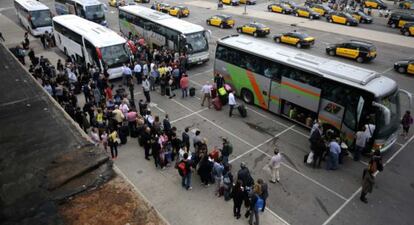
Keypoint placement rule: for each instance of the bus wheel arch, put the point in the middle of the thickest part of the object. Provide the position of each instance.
(247, 96)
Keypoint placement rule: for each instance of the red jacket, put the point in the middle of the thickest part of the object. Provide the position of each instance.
(184, 82)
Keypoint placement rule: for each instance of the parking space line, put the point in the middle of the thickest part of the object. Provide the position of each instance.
(258, 146)
(308, 178)
(186, 116)
(360, 188)
(277, 216)
(201, 73)
(247, 143)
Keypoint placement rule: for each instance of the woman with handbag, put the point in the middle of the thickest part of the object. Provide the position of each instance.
(113, 141)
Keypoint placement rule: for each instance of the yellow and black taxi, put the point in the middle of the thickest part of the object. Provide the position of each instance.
(398, 19)
(291, 4)
(221, 21)
(298, 39)
(360, 16)
(408, 4)
(280, 8)
(116, 3)
(142, 1)
(248, 2)
(255, 29)
(162, 7)
(322, 9)
(304, 11)
(231, 2)
(404, 66)
(342, 18)
(375, 4)
(179, 11)
(361, 51)
(408, 29)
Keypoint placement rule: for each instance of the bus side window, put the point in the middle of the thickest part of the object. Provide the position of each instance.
(121, 14)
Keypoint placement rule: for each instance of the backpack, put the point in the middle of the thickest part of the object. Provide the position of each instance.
(182, 170)
(259, 204)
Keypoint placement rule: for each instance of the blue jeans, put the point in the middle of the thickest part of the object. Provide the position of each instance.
(225, 159)
(333, 161)
(184, 92)
(186, 181)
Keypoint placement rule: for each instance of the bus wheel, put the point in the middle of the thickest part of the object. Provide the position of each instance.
(360, 59)
(247, 96)
(401, 70)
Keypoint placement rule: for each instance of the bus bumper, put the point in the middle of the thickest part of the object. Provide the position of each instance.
(115, 73)
(384, 145)
(198, 59)
(41, 30)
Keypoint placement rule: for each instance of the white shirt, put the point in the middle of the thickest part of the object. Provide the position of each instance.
(126, 70)
(232, 100)
(206, 89)
(361, 138)
(276, 161)
(137, 68)
(146, 85)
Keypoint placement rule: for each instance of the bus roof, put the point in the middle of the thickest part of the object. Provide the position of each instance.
(331, 69)
(32, 5)
(98, 35)
(163, 19)
(87, 2)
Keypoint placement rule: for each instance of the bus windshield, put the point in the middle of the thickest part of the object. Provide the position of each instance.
(41, 18)
(392, 102)
(196, 42)
(94, 12)
(114, 56)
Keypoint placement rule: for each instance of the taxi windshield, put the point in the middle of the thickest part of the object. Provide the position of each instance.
(259, 25)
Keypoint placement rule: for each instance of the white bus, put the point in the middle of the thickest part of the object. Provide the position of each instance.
(159, 29)
(34, 16)
(303, 88)
(89, 42)
(92, 10)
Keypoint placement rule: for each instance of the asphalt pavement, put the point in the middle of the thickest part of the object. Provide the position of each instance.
(304, 195)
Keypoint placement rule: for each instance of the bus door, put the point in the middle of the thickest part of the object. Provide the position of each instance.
(299, 100)
(274, 93)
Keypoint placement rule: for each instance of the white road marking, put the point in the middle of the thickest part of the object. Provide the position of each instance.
(359, 189)
(201, 73)
(387, 70)
(6, 8)
(186, 116)
(256, 148)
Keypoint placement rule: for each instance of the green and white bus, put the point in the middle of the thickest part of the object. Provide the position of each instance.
(159, 29)
(303, 88)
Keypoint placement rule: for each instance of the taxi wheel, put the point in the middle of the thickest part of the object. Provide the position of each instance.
(208, 22)
(298, 45)
(330, 20)
(221, 25)
(239, 30)
(401, 70)
(348, 23)
(277, 40)
(283, 12)
(331, 52)
(311, 17)
(296, 14)
(360, 59)
(393, 25)
(407, 33)
(255, 34)
(269, 9)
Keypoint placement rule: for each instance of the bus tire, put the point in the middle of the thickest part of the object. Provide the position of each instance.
(360, 59)
(401, 69)
(247, 96)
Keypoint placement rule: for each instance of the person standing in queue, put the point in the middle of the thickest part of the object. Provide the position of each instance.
(232, 102)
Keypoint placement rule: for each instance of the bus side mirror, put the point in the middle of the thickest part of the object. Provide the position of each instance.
(385, 110)
(409, 95)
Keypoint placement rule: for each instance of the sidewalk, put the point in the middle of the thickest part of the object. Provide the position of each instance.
(356, 32)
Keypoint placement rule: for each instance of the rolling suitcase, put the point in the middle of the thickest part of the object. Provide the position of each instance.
(242, 110)
(217, 103)
(192, 92)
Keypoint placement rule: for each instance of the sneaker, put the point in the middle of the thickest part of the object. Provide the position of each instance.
(190, 188)
(272, 181)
